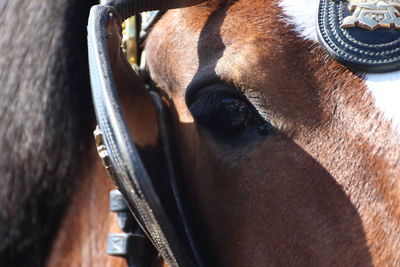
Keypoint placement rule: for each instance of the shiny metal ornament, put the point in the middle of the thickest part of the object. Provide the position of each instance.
(129, 41)
(363, 35)
(373, 14)
(102, 152)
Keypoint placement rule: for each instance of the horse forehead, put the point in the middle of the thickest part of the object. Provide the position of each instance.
(240, 37)
(235, 38)
(384, 87)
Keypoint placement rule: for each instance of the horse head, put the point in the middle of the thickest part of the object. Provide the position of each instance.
(287, 156)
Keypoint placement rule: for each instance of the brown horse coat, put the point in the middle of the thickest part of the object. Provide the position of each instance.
(323, 190)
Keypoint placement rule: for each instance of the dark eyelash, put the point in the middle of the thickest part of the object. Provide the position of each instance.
(205, 106)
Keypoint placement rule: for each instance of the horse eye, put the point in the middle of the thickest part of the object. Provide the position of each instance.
(227, 116)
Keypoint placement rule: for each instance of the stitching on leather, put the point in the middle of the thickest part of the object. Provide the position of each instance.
(346, 55)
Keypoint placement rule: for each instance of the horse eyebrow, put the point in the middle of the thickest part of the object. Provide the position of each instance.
(199, 81)
(226, 71)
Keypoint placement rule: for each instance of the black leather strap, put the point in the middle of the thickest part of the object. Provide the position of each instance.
(175, 244)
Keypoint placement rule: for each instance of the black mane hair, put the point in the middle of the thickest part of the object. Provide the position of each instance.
(45, 120)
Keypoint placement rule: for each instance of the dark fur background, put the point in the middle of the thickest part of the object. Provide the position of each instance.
(45, 120)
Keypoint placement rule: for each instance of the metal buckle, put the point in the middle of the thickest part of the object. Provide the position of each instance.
(128, 244)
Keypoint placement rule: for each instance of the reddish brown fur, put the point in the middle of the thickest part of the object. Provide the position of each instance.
(325, 190)
(82, 237)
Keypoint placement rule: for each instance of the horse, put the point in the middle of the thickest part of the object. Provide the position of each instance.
(288, 157)
(336, 128)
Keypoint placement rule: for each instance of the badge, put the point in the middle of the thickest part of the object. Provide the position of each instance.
(361, 34)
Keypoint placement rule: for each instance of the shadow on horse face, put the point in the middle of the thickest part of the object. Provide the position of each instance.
(255, 210)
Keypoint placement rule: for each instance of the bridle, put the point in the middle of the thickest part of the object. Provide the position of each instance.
(160, 209)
